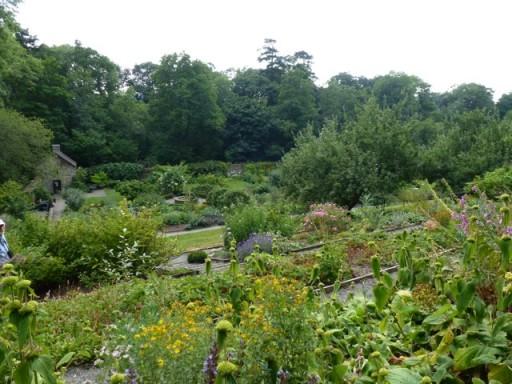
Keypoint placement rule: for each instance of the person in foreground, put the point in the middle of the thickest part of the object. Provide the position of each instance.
(5, 253)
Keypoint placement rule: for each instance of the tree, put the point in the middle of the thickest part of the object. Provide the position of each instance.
(408, 93)
(371, 155)
(127, 130)
(504, 104)
(140, 78)
(25, 144)
(187, 121)
(468, 97)
(341, 98)
(251, 132)
(296, 105)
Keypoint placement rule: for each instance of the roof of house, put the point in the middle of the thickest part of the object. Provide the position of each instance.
(62, 155)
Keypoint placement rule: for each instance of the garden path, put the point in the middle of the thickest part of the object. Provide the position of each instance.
(96, 193)
(192, 231)
(182, 262)
(58, 208)
(82, 375)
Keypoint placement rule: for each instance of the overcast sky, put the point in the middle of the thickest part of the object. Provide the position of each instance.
(444, 42)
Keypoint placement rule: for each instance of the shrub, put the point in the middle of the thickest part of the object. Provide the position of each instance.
(132, 188)
(74, 198)
(209, 167)
(13, 200)
(178, 217)
(332, 264)
(208, 217)
(148, 200)
(41, 193)
(493, 183)
(80, 180)
(201, 190)
(262, 241)
(108, 245)
(261, 189)
(197, 257)
(100, 179)
(224, 198)
(246, 220)
(172, 180)
(326, 218)
(32, 231)
(251, 219)
(46, 272)
(120, 171)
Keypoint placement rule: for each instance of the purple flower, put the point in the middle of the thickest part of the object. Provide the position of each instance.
(508, 231)
(210, 364)
(131, 376)
(462, 201)
(262, 240)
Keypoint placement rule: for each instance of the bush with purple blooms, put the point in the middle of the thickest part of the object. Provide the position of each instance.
(262, 240)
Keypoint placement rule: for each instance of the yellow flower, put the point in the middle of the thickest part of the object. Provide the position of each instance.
(160, 362)
(508, 276)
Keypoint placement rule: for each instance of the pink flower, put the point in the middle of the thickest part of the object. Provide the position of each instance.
(319, 213)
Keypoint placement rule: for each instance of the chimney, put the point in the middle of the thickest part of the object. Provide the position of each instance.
(56, 147)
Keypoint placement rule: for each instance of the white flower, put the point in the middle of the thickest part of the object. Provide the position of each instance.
(404, 293)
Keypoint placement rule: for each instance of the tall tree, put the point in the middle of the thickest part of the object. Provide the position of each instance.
(25, 144)
(504, 104)
(468, 97)
(297, 104)
(186, 118)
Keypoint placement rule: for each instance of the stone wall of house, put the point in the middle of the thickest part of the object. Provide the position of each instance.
(65, 173)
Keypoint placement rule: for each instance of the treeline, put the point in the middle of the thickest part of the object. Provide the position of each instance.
(184, 110)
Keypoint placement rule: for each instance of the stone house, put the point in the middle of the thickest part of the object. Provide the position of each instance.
(62, 172)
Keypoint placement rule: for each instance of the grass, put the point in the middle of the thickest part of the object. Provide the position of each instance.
(204, 239)
(111, 199)
(236, 184)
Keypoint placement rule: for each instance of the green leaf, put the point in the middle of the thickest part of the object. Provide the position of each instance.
(476, 380)
(376, 266)
(44, 366)
(382, 294)
(474, 356)
(465, 295)
(65, 359)
(338, 373)
(387, 280)
(403, 376)
(502, 323)
(22, 375)
(502, 373)
(441, 316)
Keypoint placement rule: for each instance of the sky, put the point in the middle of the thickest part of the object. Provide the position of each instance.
(444, 42)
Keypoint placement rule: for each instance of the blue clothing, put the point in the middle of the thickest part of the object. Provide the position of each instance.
(4, 250)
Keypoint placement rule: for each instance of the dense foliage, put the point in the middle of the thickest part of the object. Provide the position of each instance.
(392, 127)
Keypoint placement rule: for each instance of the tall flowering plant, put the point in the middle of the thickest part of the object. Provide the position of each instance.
(487, 254)
(326, 219)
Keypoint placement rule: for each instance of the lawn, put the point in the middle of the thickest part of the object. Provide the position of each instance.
(203, 239)
(236, 184)
(111, 199)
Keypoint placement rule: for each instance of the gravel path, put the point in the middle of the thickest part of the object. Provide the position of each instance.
(82, 375)
(96, 193)
(58, 208)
